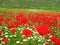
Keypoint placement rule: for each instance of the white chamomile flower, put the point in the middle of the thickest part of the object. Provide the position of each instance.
(25, 39)
(21, 32)
(6, 32)
(30, 29)
(27, 27)
(6, 36)
(35, 37)
(23, 35)
(8, 39)
(5, 27)
(43, 43)
(29, 38)
(17, 41)
(11, 36)
(34, 32)
(39, 40)
(14, 35)
(0, 38)
(40, 37)
(21, 42)
(43, 38)
(19, 28)
(50, 36)
(48, 40)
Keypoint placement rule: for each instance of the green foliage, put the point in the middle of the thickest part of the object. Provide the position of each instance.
(37, 4)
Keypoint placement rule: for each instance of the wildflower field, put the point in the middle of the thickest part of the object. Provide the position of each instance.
(29, 27)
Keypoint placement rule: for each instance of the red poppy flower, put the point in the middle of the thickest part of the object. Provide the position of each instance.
(43, 17)
(29, 24)
(17, 23)
(24, 19)
(58, 25)
(21, 14)
(48, 20)
(47, 35)
(0, 22)
(55, 18)
(55, 40)
(5, 21)
(58, 41)
(34, 18)
(0, 32)
(43, 29)
(47, 44)
(12, 25)
(4, 40)
(13, 31)
(54, 23)
(18, 16)
(30, 15)
(1, 18)
(53, 32)
(8, 19)
(27, 32)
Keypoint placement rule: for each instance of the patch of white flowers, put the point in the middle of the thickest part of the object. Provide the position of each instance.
(29, 38)
(6, 36)
(6, 32)
(33, 37)
(14, 35)
(11, 36)
(25, 39)
(17, 41)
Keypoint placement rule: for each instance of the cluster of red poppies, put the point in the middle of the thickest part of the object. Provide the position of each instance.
(39, 21)
(30, 19)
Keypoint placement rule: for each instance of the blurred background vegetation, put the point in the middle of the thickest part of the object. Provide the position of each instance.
(32, 4)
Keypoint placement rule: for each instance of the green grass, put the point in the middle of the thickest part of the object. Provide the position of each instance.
(31, 4)
(35, 10)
